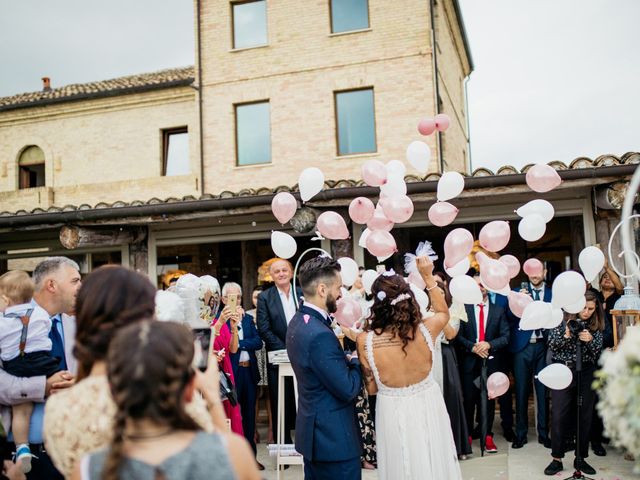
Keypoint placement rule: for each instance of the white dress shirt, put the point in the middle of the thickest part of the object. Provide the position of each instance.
(324, 313)
(288, 304)
(476, 310)
(540, 295)
(244, 355)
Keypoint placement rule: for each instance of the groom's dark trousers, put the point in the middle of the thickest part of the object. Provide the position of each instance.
(327, 433)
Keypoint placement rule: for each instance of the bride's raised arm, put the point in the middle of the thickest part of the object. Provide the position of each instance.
(436, 322)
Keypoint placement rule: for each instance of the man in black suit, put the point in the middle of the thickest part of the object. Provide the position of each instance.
(481, 338)
(276, 308)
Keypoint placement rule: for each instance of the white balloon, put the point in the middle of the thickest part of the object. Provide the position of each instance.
(556, 318)
(310, 183)
(539, 206)
(502, 291)
(567, 289)
(555, 376)
(536, 315)
(395, 186)
(421, 297)
(450, 185)
(591, 261)
(348, 270)
(419, 156)
(368, 277)
(396, 167)
(576, 307)
(363, 238)
(532, 227)
(460, 268)
(283, 244)
(464, 289)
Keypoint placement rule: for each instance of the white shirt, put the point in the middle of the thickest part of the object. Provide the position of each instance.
(288, 304)
(540, 295)
(11, 328)
(476, 310)
(324, 314)
(244, 355)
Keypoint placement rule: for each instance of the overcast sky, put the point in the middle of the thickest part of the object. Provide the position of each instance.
(553, 79)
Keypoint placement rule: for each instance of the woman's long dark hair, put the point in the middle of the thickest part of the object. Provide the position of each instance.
(149, 367)
(596, 321)
(110, 298)
(401, 319)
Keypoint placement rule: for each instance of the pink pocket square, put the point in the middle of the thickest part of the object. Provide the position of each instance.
(306, 318)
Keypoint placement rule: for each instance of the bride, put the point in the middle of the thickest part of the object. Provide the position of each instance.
(413, 431)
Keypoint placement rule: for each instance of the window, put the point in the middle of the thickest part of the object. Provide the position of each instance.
(249, 24)
(348, 15)
(31, 168)
(175, 152)
(253, 134)
(355, 122)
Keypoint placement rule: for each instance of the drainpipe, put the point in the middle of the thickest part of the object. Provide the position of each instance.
(466, 109)
(200, 90)
(434, 56)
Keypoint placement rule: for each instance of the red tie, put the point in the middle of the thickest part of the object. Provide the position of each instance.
(481, 335)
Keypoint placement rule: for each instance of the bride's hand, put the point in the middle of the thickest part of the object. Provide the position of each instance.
(425, 266)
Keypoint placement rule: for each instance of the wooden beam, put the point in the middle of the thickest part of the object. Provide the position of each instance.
(72, 236)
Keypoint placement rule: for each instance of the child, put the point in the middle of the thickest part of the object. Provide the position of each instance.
(25, 349)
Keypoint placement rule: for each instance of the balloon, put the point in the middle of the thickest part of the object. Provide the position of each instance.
(504, 290)
(497, 384)
(591, 261)
(361, 210)
(460, 268)
(363, 238)
(416, 279)
(556, 318)
(567, 288)
(457, 245)
(331, 225)
(284, 206)
(442, 214)
(512, 263)
(535, 315)
(310, 183)
(381, 243)
(426, 126)
(541, 207)
(481, 257)
(542, 178)
(419, 156)
(374, 173)
(494, 274)
(379, 221)
(348, 270)
(450, 186)
(442, 122)
(398, 209)
(465, 290)
(533, 267)
(395, 186)
(518, 302)
(283, 244)
(532, 227)
(368, 277)
(494, 236)
(348, 312)
(556, 376)
(395, 167)
(576, 307)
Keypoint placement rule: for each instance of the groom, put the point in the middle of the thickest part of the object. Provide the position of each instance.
(327, 434)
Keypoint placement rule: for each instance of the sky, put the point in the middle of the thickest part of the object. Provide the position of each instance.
(553, 79)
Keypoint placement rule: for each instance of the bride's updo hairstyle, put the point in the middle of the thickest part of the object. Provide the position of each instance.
(394, 308)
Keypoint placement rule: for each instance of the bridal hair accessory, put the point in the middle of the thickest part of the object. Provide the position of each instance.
(400, 298)
(381, 295)
(389, 273)
(424, 249)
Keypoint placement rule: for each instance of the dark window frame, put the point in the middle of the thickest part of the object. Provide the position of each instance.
(337, 127)
(166, 133)
(348, 31)
(235, 132)
(233, 24)
(25, 172)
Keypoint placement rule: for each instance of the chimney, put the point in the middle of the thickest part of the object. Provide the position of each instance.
(46, 84)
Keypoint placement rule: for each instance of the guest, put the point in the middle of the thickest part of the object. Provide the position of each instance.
(485, 334)
(151, 378)
(563, 341)
(80, 419)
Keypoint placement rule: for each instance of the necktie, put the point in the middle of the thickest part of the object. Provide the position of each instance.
(57, 345)
(481, 319)
(536, 296)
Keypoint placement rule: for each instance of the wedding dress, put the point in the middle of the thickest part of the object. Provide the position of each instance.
(413, 431)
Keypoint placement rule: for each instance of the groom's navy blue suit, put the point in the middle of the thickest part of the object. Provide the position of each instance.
(327, 433)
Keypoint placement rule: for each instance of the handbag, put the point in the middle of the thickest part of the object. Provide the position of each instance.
(228, 389)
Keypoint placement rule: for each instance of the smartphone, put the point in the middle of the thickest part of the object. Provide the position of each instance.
(524, 286)
(202, 344)
(232, 301)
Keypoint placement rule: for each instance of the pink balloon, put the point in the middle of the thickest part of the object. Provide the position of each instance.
(374, 173)
(361, 210)
(494, 236)
(397, 209)
(348, 312)
(381, 243)
(427, 126)
(494, 274)
(379, 220)
(533, 267)
(331, 225)
(517, 302)
(284, 206)
(497, 384)
(442, 122)
(442, 214)
(482, 257)
(416, 279)
(512, 263)
(542, 178)
(457, 245)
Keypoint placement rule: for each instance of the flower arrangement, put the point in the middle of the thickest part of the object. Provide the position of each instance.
(619, 384)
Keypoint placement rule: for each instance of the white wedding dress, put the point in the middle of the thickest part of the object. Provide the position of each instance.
(413, 431)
